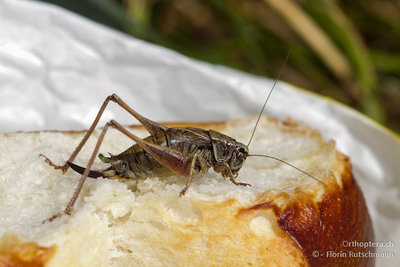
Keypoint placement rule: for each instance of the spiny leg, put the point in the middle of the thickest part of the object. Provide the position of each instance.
(83, 178)
(151, 126)
(203, 168)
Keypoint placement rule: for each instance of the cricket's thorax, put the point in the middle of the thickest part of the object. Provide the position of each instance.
(136, 163)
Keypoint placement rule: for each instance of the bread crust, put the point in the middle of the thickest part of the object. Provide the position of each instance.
(14, 252)
(323, 230)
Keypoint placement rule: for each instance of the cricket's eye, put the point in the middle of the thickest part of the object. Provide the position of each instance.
(237, 160)
(244, 150)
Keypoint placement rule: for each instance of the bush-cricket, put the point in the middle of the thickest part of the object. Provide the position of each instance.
(184, 151)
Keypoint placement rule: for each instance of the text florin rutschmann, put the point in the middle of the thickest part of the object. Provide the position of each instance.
(354, 254)
(358, 254)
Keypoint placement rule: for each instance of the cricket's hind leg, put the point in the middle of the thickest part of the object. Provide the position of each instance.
(171, 159)
(151, 126)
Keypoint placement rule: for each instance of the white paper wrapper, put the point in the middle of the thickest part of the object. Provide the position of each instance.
(56, 69)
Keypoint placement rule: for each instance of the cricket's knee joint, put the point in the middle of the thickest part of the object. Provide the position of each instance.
(112, 123)
(114, 98)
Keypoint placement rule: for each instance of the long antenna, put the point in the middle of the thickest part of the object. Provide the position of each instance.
(315, 178)
(270, 92)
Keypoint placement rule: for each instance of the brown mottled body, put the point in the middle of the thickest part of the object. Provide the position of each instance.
(203, 149)
(135, 163)
(167, 151)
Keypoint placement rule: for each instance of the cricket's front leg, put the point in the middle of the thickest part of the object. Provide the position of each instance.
(189, 180)
(226, 171)
(203, 168)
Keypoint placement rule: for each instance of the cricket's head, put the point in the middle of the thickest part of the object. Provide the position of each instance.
(228, 151)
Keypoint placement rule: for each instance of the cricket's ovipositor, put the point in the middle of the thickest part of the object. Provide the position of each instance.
(184, 151)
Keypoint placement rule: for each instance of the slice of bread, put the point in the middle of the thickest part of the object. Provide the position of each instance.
(285, 218)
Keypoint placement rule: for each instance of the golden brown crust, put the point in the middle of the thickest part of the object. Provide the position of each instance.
(323, 230)
(13, 252)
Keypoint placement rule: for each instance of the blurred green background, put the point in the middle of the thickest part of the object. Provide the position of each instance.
(348, 50)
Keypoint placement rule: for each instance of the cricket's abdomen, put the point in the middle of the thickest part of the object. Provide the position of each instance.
(141, 165)
(136, 163)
